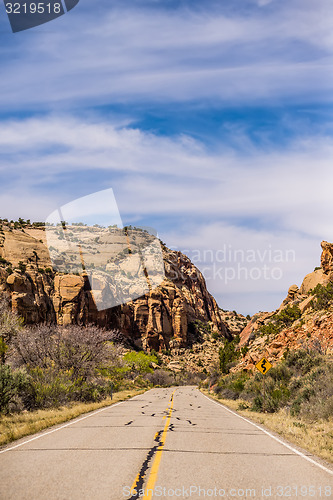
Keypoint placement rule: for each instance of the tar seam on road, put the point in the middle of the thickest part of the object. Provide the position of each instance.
(74, 421)
(272, 436)
(156, 451)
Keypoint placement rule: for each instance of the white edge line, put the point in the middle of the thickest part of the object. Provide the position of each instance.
(270, 435)
(74, 421)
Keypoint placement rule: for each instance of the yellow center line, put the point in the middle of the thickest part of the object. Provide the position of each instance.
(154, 470)
(156, 464)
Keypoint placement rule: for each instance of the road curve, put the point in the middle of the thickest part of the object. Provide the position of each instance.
(166, 443)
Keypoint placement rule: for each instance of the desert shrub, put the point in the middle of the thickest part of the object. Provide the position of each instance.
(228, 354)
(51, 387)
(188, 378)
(324, 296)
(10, 326)
(196, 332)
(280, 372)
(66, 364)
(281, 320)
(139, 362)
(79, 349)
(22, 267)
(302, 382)
(258, 403)
(48, 387)
(288, 315)
(11, 384)
(161, 378)
(232, 385)
(269, 329)
(301, 360)
(157, 356)
(317, 395)
(93, 391)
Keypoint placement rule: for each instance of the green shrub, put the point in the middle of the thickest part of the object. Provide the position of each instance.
(47, 388)
(11, 384)
(228, 354)
(301, 361)
(22, 267)
(139, 362)
(157, 356)
(244, 350)
(302, 381)
(281, 320)
(269, 329)
(288, 315)
(324, 296)
(10, 326)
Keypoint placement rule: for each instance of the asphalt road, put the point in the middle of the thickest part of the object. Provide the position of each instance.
(166, 443)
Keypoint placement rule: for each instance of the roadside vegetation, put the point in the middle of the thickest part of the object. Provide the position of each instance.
(295, 397)
(301, 383)
(61, 370)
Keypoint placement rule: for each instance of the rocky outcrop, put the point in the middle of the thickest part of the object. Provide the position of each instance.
(160, 319)
(236, 322)
(313, 330)
(313, 279)
(327, 258)
(321, 275)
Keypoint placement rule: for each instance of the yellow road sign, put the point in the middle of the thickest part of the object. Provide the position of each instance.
(263, 366)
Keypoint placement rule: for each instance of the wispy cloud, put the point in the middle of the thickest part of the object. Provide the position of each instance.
(177, 175)
(247, 198)
(245, 189)
(127, 53)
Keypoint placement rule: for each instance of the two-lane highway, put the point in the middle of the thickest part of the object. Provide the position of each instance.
(166, 443)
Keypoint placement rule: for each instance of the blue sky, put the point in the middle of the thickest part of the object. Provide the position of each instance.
(211, 121)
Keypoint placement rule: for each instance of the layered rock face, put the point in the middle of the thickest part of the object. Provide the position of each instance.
(160, 319)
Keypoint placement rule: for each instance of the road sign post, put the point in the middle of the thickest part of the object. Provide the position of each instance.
(264, 366)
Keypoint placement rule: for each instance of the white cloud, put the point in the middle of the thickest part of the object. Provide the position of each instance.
(259, 265)
(123, 54)
(249, 199)
(165, 175)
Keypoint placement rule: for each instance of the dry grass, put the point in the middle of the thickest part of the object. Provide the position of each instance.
(315, 437)
(23, 424)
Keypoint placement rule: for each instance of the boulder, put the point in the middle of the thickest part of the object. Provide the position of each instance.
(313, 279)
(305, 304)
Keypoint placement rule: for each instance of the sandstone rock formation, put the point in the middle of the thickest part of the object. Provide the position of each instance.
(314, 329)
(327, 258)
(160, 319)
